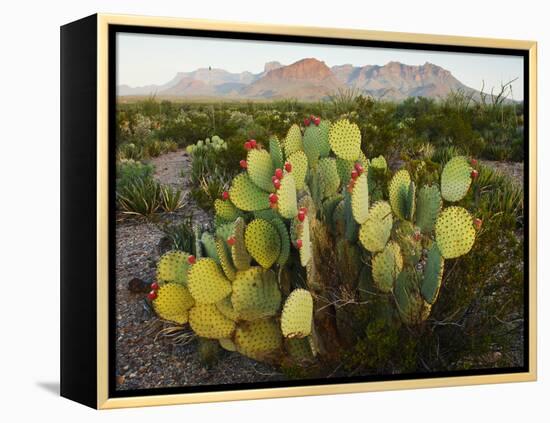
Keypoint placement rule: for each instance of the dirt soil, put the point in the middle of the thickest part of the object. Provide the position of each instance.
(144, 359)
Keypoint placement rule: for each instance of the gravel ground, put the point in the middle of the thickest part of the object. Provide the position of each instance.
(143, 359)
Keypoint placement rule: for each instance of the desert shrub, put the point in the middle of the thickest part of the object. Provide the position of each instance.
(212, 165)
(179, 236)
(171, 199)
(141, 197)
(127, 171)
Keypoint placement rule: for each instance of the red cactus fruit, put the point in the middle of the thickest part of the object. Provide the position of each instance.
(301, 216)
(243, 164)
(231, 240)
(253, 143)
(225, 195)
(306, 122)
(279, 173)
(312, 117)
(354, 174)
(276, 183)
(247, 146)
(317, 121)
(192, 259)
(474, 174)
(288, 167)
(152, 295)
(154, 286)
(473, 162)
(299, 243)
(273, 198)
(359, 168)
(477, 223)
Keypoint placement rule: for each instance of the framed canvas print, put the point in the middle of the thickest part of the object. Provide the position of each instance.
(254, 211)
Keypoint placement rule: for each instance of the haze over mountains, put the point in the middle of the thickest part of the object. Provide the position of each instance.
(308, 80)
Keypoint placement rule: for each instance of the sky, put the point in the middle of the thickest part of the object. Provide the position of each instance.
(144, 59)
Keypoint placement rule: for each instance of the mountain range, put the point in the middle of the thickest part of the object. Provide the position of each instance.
(308, 80)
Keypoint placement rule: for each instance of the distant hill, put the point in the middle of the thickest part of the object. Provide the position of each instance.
(309, 79)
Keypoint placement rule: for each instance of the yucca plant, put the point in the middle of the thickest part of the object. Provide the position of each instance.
(171, 199)
(141, 197)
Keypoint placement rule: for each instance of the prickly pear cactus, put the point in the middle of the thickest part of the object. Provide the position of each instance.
(173, 303)
(376, 229)
(208, 322)
(260, 169)
(454, 232)
(207, 283)
(256, 294)
(263, 242)
(293, 140)
(312, 217)
(456, 179)
(259, 339)
(345, 139)
(246, 195)
(297, 314)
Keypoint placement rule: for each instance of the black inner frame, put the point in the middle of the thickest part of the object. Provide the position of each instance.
(112, 54)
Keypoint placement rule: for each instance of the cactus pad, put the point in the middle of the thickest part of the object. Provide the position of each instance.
(410, 205)
(386, 266)
(256, 294)
(225, 230)
(399, 193)
(207, 322)
(226, 308)
(345, 167)
(379, 164)
(428, 206)
(287, 204)
(345, 139)
(226, 210)
(324, 145)
(285, 241)
(293, 140)
(173, 266)
(259, 339)
(173, 303)
(209, 244)
(299, 163)
(302, 233)
(297, 315)
(433, 274)
(376, 230)
(328, 177)
(207, 284)
(262, 242)
(246, 195)
(454, 232)
(360, 199)
(260, 169)
(456, 179)
(227, 344)
(410, 304)
(241, 258)
(311, 141)
(222, 248)
(276, 153)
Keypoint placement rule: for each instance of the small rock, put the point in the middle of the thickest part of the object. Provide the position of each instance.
(138, 286)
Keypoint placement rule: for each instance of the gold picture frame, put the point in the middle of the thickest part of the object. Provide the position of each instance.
(102, 398)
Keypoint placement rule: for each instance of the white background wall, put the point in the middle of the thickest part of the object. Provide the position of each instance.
(29, 207)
